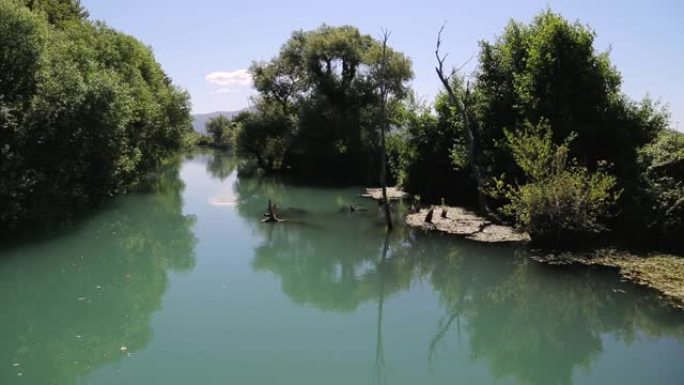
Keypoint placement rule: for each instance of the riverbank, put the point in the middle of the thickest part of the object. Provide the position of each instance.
(461, 222)
(662, 272)
(393, 193)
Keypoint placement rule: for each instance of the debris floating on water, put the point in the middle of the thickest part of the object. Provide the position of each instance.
(223, 202)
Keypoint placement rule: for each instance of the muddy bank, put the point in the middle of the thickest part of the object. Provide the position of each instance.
(461, 222)
(662, 272)
(393, 193)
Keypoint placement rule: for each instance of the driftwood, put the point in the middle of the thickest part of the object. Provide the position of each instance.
(271, 215)
(428, 217)
(351, 208)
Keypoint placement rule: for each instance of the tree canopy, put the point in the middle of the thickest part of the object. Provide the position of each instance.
(84, 110)
(326, 81)
(558, 145)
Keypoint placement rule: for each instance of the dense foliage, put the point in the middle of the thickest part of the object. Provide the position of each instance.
(221, 132)
(662, 196)
(559, 149)
(559, 198)
(84, 110)
(548, 71)
(421, 153)
(319, 100)
(562, 150)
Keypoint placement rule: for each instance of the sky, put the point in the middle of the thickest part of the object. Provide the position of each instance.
(206, 45)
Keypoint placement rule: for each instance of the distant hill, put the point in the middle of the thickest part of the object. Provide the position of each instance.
(200, 120)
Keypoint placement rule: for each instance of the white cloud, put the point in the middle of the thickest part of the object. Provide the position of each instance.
(229, 79)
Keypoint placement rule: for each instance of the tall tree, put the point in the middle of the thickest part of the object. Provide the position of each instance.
(463, 104)
(384, 90)
(327, 81)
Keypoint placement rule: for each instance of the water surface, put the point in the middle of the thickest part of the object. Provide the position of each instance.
(180, 283)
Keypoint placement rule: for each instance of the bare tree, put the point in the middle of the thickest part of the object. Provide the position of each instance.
(384, 91)
(462, 102)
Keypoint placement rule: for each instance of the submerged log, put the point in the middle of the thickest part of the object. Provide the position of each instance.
(351, 208)
(271, 214)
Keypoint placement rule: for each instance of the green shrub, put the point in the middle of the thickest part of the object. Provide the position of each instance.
(662, 199)
(558, 199)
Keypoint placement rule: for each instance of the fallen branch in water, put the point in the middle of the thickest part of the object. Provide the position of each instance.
(271, 214)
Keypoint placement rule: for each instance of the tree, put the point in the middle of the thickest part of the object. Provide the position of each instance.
(661, 199)
(549, 70)
(264, 134)
(84, 112)
(462, 102)
(326, 80)
(221, 130)
(384, 93)
(58, 11)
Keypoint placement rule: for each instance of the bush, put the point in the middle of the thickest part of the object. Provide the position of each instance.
(558, 199)
(662, 198)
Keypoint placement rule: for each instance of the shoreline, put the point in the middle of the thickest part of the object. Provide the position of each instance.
(464, 223)
(663, 273)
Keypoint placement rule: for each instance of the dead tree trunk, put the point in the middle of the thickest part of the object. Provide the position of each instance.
(271, 215)
(428, 217)
(463, 105)
(383, 129)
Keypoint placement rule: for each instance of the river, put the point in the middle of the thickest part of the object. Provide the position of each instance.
(180, 283)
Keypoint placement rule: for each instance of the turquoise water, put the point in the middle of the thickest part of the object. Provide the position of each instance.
(180, 283)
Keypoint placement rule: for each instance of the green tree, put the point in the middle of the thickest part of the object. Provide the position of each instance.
(58, 11)
(84, 112)
(661, 203)
(326, 80)
(221, 131)
(264, 134)
(549, 70)
(422, 152)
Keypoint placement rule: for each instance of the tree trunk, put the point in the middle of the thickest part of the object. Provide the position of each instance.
(471, 140)
(383, 129)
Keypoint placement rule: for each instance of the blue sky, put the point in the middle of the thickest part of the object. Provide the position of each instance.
(205, 45)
